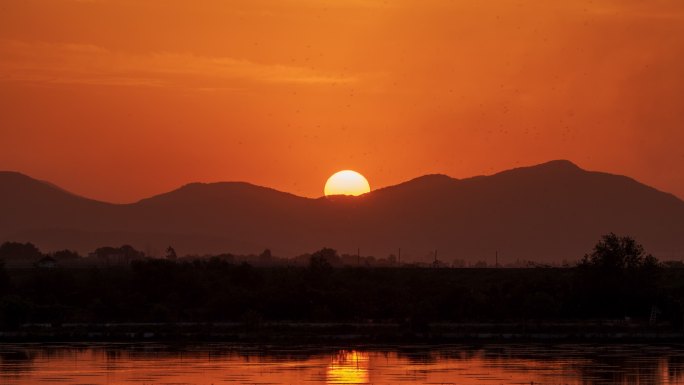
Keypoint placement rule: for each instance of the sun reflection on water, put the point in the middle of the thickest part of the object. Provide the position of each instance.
(348, 367)
(510, 364)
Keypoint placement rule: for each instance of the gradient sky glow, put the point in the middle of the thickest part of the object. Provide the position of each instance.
(122, 99)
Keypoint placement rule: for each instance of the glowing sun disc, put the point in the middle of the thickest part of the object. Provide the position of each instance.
(346, 182)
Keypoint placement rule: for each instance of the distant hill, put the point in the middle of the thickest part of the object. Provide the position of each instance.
(546, 213)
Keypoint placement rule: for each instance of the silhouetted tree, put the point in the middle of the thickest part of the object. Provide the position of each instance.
(323, 259)
(131, 253)
(123, 254)
(171, 254)
(615, 253)
(65, 255)
(618, 278)
(265, 258)
(19, 251)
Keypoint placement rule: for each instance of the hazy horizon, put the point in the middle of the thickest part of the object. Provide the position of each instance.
(321, 195)
(549, 211)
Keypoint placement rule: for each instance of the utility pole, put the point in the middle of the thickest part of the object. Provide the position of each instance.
(496, 256)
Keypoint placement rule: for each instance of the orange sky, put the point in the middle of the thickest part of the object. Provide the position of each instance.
(121, 99)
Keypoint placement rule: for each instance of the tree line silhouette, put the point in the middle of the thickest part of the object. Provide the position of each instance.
(618, 280)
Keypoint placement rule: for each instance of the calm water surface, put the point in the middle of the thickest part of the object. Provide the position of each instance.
(225, 364)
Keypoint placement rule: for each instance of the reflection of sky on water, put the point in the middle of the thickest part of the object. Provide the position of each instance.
(22, 364)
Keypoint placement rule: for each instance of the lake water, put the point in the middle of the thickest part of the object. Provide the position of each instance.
(226, 364)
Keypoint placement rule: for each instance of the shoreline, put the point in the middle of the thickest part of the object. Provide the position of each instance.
(299, 332)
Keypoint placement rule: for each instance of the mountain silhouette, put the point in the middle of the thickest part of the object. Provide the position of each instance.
(548, 213)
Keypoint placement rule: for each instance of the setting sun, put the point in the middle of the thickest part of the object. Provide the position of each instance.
(346, 182)
(160, 181)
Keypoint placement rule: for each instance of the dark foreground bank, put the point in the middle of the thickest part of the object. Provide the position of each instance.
(214, 299)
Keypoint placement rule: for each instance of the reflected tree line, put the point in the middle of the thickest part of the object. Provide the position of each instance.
(617, 281)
